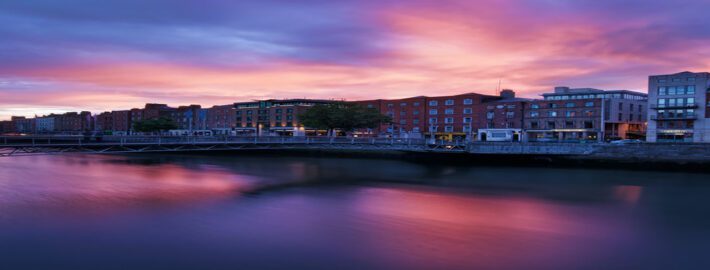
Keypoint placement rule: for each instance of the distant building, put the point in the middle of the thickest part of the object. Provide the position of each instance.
(6, 127)
(104, 122)
(586, 114)
(273, 117)
(121, 121)
(443, 117)
(679, 108)
(45, 124)
(222, 119)
(23, 124)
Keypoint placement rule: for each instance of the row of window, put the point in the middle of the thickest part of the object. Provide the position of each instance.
(586, 113)
(250, 112)
(491, 115)
(676, 113)
(277, 117)
(567, 105)
(450, 111)
(689, 79)
(676, 90)
(448, 102)
(448, 120)
(593, 96)
(673, 102)
(566, 124)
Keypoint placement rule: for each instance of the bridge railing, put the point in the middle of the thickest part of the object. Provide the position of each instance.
(134, 140)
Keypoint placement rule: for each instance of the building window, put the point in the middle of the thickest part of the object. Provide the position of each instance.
(449, 111)
(467, 101)
(449, 129)
(535, 106)
(570, 114)
(534, 125)
(415, 112)
(534, 114)
(449, 102)
(552, 114)
(662, 91)
(466, 129)
(621, 106)
(403, 113)
(289, 110)
(550, 124)
(490, 115)
(467, 110)
(589, 104)
(588, 124)
(432, 120)
(690, 90)
(569, 124)
(415, 121)
(433, 103)
(552, 105)
(415, 104)
(569, 104)
(402, 122)
(433, 112)
(691, 79)
(449, 120)
(433, 128)
(509, 115)
(621, 117)
(403, 104)
(588, 113)
(467, 120)
(671, 90)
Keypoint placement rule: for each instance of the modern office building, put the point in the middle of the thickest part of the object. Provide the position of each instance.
(679, 108)
(586, 114)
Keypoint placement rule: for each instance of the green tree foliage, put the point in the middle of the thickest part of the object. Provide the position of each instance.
(343, 116)
(154, 125)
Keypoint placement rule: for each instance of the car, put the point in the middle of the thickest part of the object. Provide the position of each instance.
(626, 141)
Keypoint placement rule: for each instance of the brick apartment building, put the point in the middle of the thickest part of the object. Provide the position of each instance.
(222, 119)
(449, 117)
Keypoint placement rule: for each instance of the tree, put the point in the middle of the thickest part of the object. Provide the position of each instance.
(154, 125)
(343, 116)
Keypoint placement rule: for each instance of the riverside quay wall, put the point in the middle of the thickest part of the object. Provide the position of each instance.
(641, 152)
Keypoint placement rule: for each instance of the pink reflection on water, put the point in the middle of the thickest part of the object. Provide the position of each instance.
(628, 194)
(460, 230)
(100, 181)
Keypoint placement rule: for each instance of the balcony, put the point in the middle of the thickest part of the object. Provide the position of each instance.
(674, 106)
(673, 117)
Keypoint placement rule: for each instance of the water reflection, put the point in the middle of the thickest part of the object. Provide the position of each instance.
(226, 212)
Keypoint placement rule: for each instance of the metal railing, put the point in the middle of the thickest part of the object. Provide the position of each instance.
(171, 140)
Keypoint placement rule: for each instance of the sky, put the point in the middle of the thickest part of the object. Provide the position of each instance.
(75, 55)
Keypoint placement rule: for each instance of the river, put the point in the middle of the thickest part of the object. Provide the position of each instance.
(287, 212)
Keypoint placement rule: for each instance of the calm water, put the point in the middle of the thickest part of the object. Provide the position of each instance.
(196, 212)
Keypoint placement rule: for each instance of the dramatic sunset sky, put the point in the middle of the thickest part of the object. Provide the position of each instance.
(113, 54)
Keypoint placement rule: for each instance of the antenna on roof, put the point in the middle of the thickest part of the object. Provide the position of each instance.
(498, 90)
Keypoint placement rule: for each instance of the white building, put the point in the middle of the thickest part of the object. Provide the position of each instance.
(679, 107)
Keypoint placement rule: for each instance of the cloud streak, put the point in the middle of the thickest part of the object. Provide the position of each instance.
(118, 54)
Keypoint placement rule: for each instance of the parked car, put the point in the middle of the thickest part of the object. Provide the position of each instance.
(626, 141)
